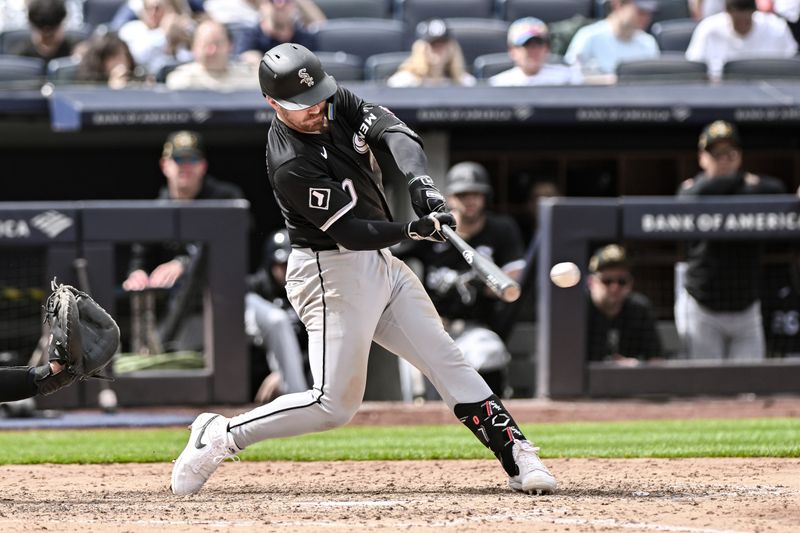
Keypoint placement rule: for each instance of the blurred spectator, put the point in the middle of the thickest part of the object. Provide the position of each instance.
(48, 38)
(790, 11)
(529, 47)
(598, 48)
(701, 9)
(562, 32)
(246, 12)
(469, 310)
(436, 59)
(738, 33)
(212, 67)
(108, 60)
(717, 310)
(14, 14)
(130, 11)
(622, 328)
(273, 323)
(179, 265)
(161, 35)
(281, 21)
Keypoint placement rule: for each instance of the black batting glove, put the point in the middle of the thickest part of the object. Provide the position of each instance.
(425, 197)
(429, 227)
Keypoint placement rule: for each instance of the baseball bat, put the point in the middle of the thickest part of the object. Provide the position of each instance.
(498, 281)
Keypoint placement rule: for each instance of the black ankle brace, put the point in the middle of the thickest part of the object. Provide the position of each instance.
(492, 424)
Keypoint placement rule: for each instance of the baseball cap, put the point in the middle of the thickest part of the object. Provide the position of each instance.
(433, 30)
(183, 143)
(468, 176)
(612, 255)
(523, 30)
(719, 130)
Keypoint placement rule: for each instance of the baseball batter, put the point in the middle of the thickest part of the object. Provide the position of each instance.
(345, 285)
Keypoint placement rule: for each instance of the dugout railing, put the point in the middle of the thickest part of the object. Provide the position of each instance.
(95, 231)
(570, 227)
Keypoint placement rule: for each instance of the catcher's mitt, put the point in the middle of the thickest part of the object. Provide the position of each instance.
(83, 338)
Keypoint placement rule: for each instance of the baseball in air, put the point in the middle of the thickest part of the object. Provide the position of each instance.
(565, 275)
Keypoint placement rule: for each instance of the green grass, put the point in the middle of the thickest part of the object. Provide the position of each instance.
(769, 437)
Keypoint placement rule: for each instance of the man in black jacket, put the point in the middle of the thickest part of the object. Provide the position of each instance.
(164, 265)
(717, 309)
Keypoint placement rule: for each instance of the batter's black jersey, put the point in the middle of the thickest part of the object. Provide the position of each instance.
(450, 281)
(318, 178)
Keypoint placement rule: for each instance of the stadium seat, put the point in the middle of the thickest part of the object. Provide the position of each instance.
(97, 12)
(24, 69)
(361, 37)
(662, 69)
(487, 65)
(62, 70)
(673, 35)
(10, 39)
(671, 9)
(342, 66)
(546, 10)
(166, 68)
(762, 68)
(337, 9)
(412, 12)
(379, 67)
(478, 36)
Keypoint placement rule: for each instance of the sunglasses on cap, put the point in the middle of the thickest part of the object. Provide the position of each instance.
(622, 281)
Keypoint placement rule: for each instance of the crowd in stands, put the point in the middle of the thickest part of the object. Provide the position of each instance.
(415, 43)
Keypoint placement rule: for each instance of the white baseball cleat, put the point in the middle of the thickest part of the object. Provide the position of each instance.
(533, 477)
(210, 443)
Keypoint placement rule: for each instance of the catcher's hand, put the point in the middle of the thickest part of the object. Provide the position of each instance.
(83, 337)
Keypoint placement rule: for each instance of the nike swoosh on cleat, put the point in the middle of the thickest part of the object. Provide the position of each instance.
(324, 153)
(197, 444)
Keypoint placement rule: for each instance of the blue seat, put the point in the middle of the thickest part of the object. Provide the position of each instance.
(337, 9)
(673, 35)
(671, 9)
(21, 69)
(10, 39)
(661, 69)
(342, 66)
(787, 68)
(361, 37)
(546, 10)
(412, 12)
(62, 70)
(379, 67)
(487, 65)
(97, 12)
(478, 36)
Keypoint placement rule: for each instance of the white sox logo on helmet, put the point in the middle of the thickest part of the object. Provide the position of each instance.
(467, 254)
(305, 77)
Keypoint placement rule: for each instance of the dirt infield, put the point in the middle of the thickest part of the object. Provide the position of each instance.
(681, 495)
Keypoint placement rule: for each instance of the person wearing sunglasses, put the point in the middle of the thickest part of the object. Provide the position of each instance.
(622, 327)
(717, 307)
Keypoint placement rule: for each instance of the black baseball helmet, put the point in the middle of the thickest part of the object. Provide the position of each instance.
(292, 75)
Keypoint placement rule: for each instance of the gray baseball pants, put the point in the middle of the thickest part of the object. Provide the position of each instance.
(346, 300)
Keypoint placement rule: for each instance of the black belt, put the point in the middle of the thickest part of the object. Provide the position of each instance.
(323, 247)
